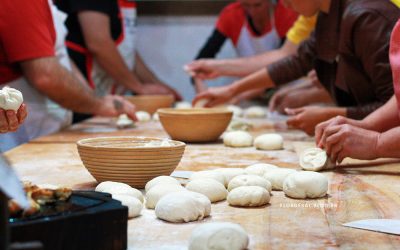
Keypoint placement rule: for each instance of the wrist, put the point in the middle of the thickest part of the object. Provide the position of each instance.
(378, 150)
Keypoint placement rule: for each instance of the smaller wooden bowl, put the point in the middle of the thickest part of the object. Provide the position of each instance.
(150, 103)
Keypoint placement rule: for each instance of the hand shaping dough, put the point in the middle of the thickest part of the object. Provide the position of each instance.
(238, 139)
(237, 111)
(119, 188)
(305, 184)
(249, 180)
(133, 204)
(248, 196)
(201, 103)
(255, 112)
(183, 207)
(315, 159)
(260, 169)
(230, 173)
(269, 142)
(161, 180)
(208, 174)
(277, 177)
(124, 121)
(10, 99)
(143, 116)
(158, 191)
(211, 188)
(219, 236)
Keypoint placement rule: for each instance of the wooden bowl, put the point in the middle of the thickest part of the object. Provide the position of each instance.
(150, 103)
(195, 125)
(126, 159)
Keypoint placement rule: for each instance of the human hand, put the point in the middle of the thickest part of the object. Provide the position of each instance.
(11, 120)
(204, 69)
(113, 105)
(312, 75)
(215, 96)
(199, 85)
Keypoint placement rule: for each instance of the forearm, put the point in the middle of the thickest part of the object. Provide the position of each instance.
(257, 80)
(388, 144)
(143, 72)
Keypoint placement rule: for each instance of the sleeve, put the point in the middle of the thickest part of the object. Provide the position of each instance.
(301, 29)
(230, 22)
(284, 19)
(103, 6)
(36, 35)
(212, 46)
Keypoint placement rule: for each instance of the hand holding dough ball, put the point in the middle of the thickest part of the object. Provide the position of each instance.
(119, 188)
(306, 184)
(269, 142)
(133, 204)
(238, 139)
(158, 191)
(143, 116)
(278, 176)
(211, 188)
(163, 179)
(249, 180)
(183, 207)
(219, 235)
(255, 112)
(315, 159)
(260, 169)
(208, 174)
(10, 99)
(230, 173)
(248, 196)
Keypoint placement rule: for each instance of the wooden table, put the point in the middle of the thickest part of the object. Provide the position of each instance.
(358, 190)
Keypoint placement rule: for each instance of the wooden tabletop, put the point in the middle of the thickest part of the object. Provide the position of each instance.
(357, 190)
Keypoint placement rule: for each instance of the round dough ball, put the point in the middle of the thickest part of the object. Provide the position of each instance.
(269, 142)
(237, 111)
(277, 176)
(115, 188)
(255, 112)
(249, 180)
(133, 204)
(183, 207)
(248, 196)
(238, 139)
(163, 179)
(183, 105)
(156, 117)
(10, 99)
(219, 235)
(143, 116)
(240, 125)
(201, 103)
(260, 169)
(306, 184)
(315, 159)
(158, 191)
(208, 174)
(124, 121)
(211, 188)
(230, 173)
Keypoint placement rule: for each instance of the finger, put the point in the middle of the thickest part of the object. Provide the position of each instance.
(3, 121)
(293, 121)
(335, 151)
(295, 111)
(332, 140)
(341, 156)
(319, 130)
(275, 100)
(12, 120)
(203, 95)
(330, 130)
(130, 110)
(22, 113)
(214, 102)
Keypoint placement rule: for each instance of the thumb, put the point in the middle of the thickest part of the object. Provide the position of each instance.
(295, 111)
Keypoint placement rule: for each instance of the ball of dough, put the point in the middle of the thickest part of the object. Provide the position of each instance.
(183, 207)
(269, 142)
(277, 176)
(163, 179)
(201, 103)
(315, 159)
(255, 112)
(238, 139)
(183, 105)
(208, 174)
(115, 188)
(211, 188)
(260, 169)
(124, 121)
(156, 117)
(219, 235)
(230, 173)
(248, 196)
(158, 191)
(249, 180)
(240, 125)
(133, 204)
(10, 99)
(143, 116)
(237, 111)
(306, 184)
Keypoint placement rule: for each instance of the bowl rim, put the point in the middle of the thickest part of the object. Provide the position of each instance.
(194, 111)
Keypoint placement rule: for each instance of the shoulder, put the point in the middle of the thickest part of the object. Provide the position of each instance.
(378, 8)
(232, 11)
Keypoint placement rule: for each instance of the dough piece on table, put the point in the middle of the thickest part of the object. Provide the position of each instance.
(156, 117)
(214, 190)
(238, 139)
(248, 196)
(249, 180)
(133, 204)
(158, 191)
(218, 235)
(183, 207)
(143, 116)
(230, 173)
(237, 111)
(306, 184)
(255, 112)
(269, 142)
(315, 159)
(183, 105)
(10, 99)
(277, 177)
(260, 169)
(238, 125)
(124, 121)
(208, 174)
(163, 179)
(117, 188)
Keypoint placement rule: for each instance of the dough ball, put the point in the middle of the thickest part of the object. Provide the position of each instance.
(249, 180)
(183, 105)
(230, 173)
(183, 207)
(219, 235)
(306, 184)
(211, 188)
(248, 196)
(208, 174)
(277, 176)
(237, 111)
(156, 117)
(260, 169)
(255, 112)
(238, 139)
(201, 103)
(124, 121)
(158, 191)
(269, 142)
(315, 159)
(133, 204)
(143, 116)
(10, 99)
(117, 188)
(163, 179)
(240, 125)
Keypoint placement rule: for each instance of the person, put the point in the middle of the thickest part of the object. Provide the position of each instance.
(11, 120)
(356, 74)
(49, 89)
(377, 135)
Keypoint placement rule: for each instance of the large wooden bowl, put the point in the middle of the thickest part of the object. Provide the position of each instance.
(150, 103)
(195, 125)
(125, 159)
